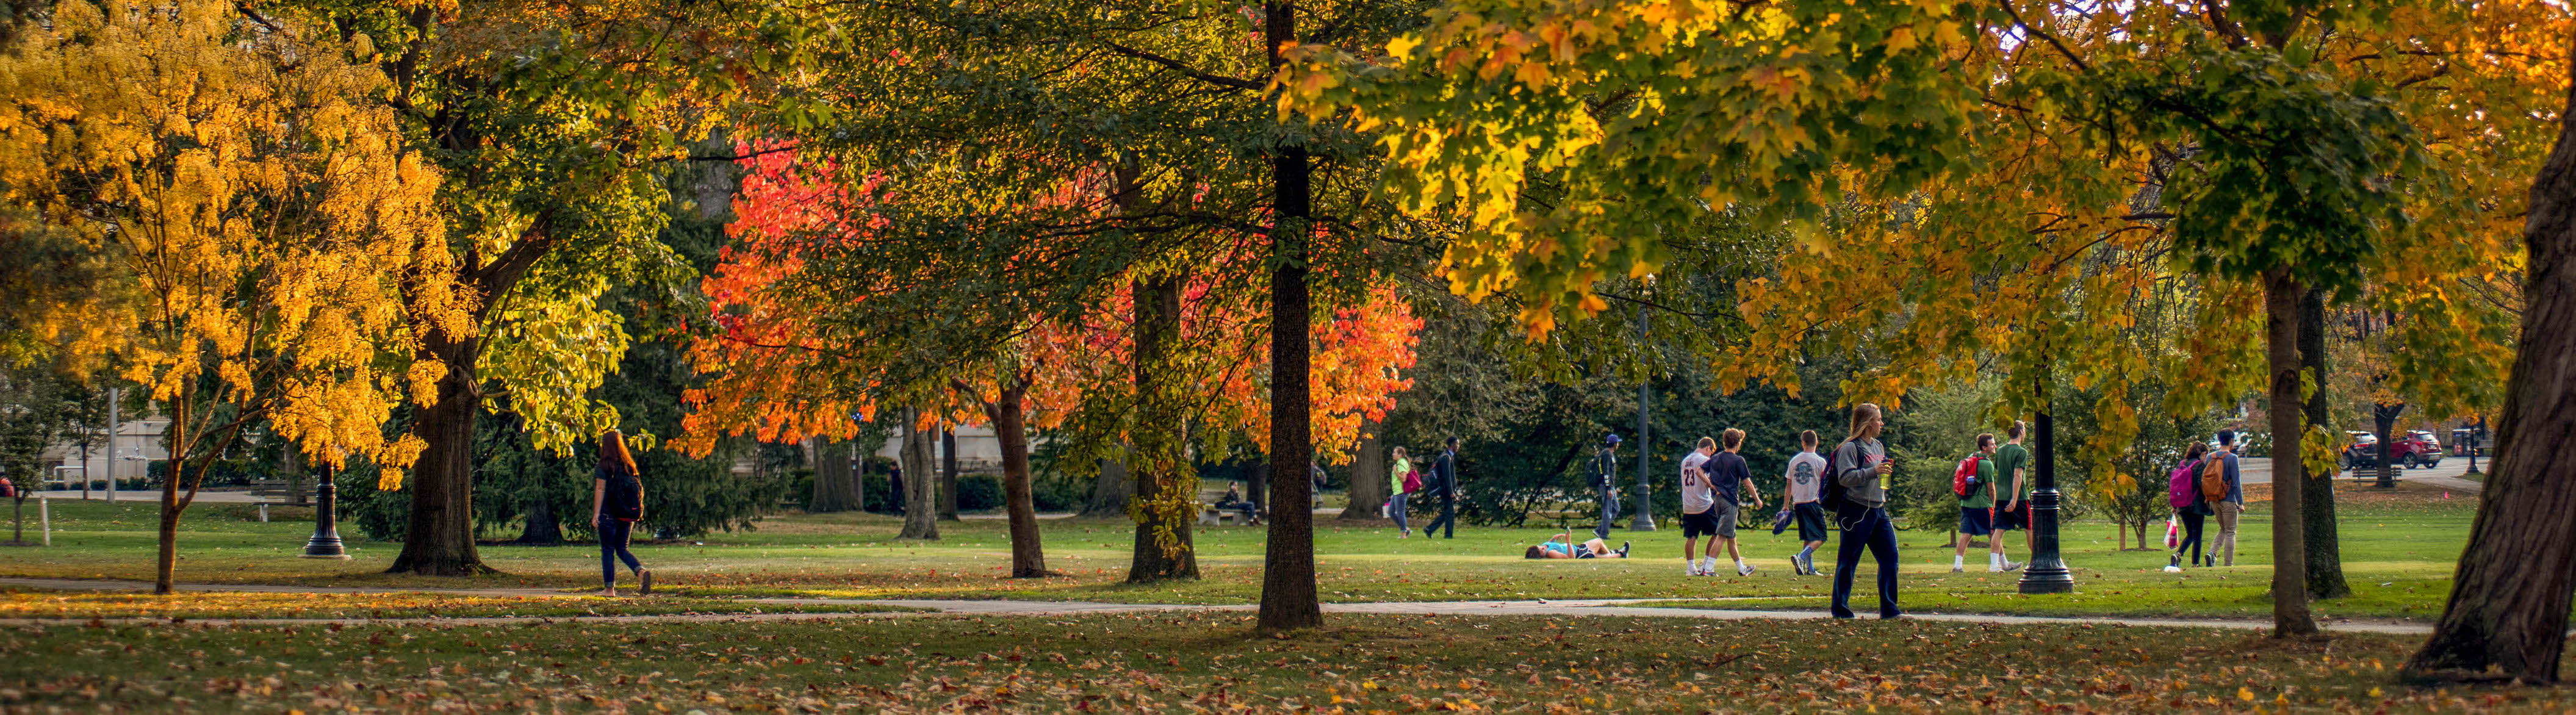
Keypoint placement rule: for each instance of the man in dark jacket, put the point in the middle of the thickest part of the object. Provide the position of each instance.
(1444, 481)
(1605, 482)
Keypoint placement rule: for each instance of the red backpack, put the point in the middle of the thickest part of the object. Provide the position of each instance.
(1961, 482)
(2183, 487)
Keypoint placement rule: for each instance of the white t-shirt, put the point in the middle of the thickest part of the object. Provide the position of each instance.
(1805, 474)
(1697, 495)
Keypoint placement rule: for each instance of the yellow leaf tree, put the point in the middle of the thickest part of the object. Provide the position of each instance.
(264, 223)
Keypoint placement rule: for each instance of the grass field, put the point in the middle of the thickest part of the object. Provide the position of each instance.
(2398, 550)
(1205, 663)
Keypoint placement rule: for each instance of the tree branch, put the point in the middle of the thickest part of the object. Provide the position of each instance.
(1186, 70)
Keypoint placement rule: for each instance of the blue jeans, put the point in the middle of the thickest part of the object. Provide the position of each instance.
(1609, 508)
(1867, 528)
(613, 535)
(1395, 510)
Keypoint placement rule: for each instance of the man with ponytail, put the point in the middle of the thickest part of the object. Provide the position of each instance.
(616, 502)
(1860, 469)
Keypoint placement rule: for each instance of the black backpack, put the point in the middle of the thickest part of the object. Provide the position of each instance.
(625, 499)
(1832, 497)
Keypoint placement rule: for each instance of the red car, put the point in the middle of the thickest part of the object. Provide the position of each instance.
(2415, 449)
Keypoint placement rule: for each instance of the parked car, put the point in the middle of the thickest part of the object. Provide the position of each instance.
(2415, 449)
(2423, 450)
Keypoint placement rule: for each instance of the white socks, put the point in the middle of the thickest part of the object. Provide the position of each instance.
(1958, 562)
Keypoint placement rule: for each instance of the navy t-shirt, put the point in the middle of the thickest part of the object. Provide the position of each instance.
(1727, 472)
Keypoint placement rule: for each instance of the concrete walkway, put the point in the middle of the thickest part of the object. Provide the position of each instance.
(2447, 476)
(1576, 608)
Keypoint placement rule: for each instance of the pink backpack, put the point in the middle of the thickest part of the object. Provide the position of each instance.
(2183, 487)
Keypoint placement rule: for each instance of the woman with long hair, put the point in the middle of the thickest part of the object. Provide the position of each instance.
(616, 502)
(1861, 469)
(2185, 479)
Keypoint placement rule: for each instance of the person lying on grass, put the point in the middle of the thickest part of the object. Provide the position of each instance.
(1562, 546)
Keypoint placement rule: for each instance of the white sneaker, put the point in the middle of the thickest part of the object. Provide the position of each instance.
(1692, 569)
(1743, 569)
(2170, 568)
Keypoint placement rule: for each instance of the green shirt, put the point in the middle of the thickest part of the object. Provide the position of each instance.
(1984, 495)
(1395, 477)
(2007, 459)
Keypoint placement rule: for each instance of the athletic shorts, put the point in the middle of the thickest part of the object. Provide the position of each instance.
(1976, 520)
(1725, 512)
(1811, 521)
(2016, 519)
(1700, 524)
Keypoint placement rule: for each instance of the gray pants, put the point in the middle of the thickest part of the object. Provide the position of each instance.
(2226, 547)
(1609, 509)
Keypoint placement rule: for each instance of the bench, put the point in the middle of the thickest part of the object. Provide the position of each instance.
(1212, 516)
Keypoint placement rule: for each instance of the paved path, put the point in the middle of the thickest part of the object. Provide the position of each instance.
(2446, 476)
(1580, 607)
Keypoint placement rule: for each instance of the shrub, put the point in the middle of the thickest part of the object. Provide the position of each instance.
(978, 492)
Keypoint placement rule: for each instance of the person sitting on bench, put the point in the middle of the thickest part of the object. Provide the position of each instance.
(1234, 501)
(1562, 546)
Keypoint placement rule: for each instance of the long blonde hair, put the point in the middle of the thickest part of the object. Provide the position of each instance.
(1861, 415)
(612, 450)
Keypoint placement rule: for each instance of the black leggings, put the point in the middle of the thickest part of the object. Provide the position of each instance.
(2190, 535)
(613, 534)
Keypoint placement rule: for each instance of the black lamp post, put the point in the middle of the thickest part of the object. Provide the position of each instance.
(2047, 571)
(2477, 436)
(325, 543)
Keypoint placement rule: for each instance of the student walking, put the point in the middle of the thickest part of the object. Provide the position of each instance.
(1444, 482)
(2184, 495)
(616, 502)
(1605, 482)
(1858, 495)
(2229, 508)
(1699, 512)
(1396, 486)
(2012, 466)
(1732, 480)
(1805, 475)
(1974, 486)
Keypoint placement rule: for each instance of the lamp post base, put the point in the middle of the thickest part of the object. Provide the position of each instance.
(2047, 571)
(325, 543)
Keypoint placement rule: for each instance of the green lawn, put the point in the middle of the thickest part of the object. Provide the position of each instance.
(1206, 662)
(2398, 551)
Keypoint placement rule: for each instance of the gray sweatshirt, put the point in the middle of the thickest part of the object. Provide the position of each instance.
(1858, 459)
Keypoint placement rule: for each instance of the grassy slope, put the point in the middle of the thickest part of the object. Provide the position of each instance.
(1165, 662)
(2398, 550)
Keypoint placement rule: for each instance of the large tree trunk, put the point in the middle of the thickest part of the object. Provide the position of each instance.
(2383, 419)
(167, 565)
(1159, 460)
(2509, 599)
(1368, 476)
(921, 493)
(836, 489)
(1288, 599)
(1011, 428)
(947, 474)
(2289, 548)
(440, 537)
(2317, 503)
(1111, 490)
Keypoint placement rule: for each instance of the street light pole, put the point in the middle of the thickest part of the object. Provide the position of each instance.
(111, 448)
(325, 543)
(2047, 571)
(1645, 512)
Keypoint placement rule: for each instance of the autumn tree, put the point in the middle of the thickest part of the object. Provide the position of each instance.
(278, 241)
(1949, 223)
(556, 122)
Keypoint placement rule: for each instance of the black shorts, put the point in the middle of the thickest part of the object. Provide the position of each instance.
(2014, 520)
(1811, 521)
(1976, 520)
(1700, 524)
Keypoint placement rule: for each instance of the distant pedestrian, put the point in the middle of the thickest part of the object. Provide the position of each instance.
(616, 503)
(1444, 484)
(1860, 476)
(2234, 505)
(1605, 483)
(2183, 492)
(1977, 509)
(894, 487)
(1733, 479)
(1395, 487)
(1315, 470)
(2012, 469)
(1699, 511)
(1805, 475)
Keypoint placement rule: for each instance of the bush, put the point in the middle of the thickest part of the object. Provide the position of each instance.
(978, 492)
(1060, 492)
(879, 496)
